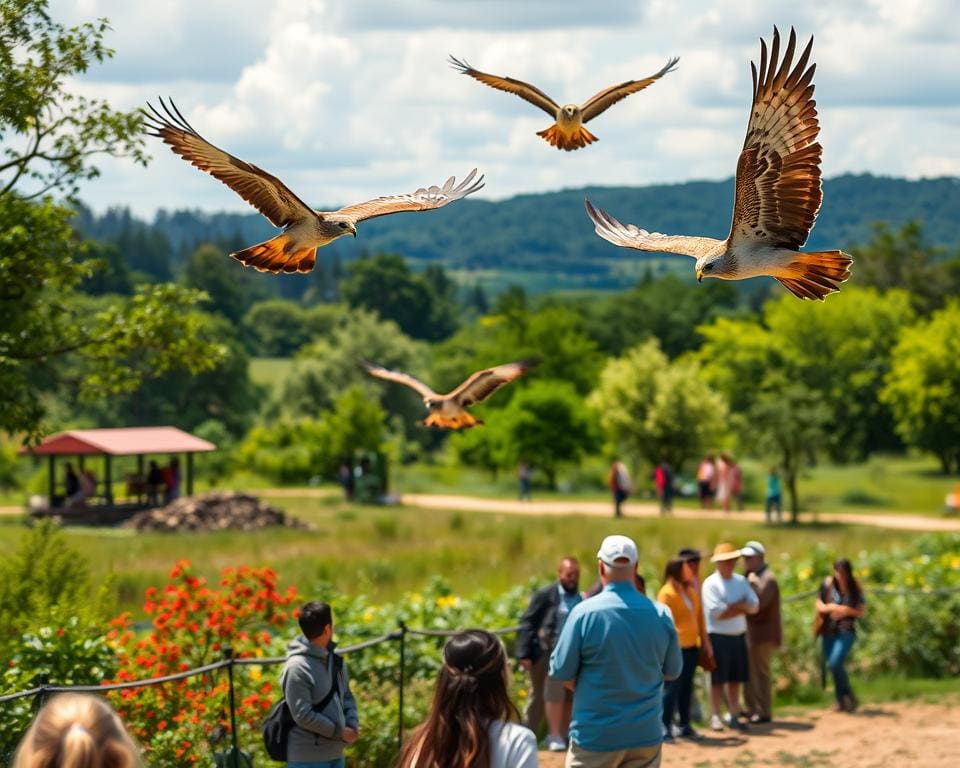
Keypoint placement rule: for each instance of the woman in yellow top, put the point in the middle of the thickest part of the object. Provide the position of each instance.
(681, 597)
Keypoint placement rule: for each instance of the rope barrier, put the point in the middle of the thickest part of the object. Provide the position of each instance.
(384, 638)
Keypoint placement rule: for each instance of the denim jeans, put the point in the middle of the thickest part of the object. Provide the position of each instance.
(340, 762)
(836, 648)
(677, 693)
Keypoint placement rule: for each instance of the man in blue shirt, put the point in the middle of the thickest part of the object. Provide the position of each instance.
(617, 649)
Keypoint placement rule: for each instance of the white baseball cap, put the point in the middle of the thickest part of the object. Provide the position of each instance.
(617, 547)
(752, 548)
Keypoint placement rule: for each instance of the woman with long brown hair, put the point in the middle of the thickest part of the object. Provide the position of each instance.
(472, 722)
(77, 731)
(841, 603)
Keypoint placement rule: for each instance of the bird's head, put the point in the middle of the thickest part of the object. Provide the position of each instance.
(570, 110)
(432, 405)
(714, 266)
(340, 226)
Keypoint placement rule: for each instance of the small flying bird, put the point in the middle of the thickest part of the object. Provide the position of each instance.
(449, 411)
(304, 229)
(778, 191)
(567, 132)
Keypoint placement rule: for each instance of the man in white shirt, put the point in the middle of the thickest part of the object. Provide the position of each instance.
(727, 600)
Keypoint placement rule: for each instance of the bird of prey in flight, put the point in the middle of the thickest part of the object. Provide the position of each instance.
(304, 229)
(567, 131)
(449, 411)
(778, 190)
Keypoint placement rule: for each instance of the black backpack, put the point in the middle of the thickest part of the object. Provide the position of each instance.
(279, 722)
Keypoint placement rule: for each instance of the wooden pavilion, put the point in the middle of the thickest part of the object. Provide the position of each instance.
(102, 506)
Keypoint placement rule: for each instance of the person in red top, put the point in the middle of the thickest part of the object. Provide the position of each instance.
(663, 482)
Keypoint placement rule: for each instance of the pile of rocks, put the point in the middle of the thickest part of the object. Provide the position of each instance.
(214, 511)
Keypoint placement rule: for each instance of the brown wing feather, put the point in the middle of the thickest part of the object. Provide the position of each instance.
(263, 191)
(400, 378)
(482, 384)
(606, 98)
(519, 88)
(421, 200)
(778, 187)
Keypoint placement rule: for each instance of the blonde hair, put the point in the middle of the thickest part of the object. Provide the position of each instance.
(77, 731)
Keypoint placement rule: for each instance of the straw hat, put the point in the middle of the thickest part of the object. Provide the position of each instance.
(724, 551)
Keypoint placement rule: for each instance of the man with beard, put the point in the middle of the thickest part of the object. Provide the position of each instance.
(540, 627)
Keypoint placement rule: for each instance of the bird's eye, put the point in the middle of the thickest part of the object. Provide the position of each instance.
(707, 267)
(343, 225)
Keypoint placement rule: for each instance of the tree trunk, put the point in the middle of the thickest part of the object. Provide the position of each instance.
(794, 499)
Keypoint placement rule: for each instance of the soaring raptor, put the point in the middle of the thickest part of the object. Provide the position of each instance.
(304, 229)
(449, 411)
(567, 131)
(778, 191)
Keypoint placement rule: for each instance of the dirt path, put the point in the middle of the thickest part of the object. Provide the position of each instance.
(637, 509)
(888, 735)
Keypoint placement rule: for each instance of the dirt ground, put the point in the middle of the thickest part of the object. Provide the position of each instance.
(888, 735)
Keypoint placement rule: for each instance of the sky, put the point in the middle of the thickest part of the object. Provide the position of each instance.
(351, 99)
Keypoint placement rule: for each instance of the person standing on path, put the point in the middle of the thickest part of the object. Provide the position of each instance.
(764, 632)
(840, 603)
(706, 478)
(618, 480)
(773, 496)
(616, 650)
(727, 601)
(540, 627)
(663, 482)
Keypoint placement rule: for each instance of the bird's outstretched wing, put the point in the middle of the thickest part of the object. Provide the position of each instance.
(778, 188)
(399, 377)
(482, 384)
(630, 236)
(519, 88)
(421, 200)
(263, 191)
(606, 98)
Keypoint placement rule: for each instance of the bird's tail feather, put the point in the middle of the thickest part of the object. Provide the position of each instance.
(557, 138)
(462, 420)
(279, 254)
(814, 275)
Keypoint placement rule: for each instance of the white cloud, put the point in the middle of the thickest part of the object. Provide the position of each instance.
(347, 99)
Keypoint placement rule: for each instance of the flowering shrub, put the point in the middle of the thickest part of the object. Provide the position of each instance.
(192, 624)
(68, 654)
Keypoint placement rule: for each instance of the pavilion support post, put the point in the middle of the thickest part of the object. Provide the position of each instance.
(141, 478)
(107, 479)
(189, 474)
(51, 479)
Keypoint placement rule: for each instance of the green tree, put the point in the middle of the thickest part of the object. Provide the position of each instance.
(385, 285)
(903, 258)
(109, 272)
(840, 349)
(210, 270)
(789, 421)
(653, 409)
(923, 386)
(48, 332)
(546, 424)
(329, 366)
(49, 131)
(276, 327)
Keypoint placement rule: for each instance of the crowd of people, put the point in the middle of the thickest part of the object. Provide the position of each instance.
(611, 670)
(160, 483)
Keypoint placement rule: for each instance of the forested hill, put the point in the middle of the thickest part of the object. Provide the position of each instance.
(550, 233)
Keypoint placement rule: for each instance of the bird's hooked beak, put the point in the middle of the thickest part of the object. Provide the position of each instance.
(699, 275)
(353, 230)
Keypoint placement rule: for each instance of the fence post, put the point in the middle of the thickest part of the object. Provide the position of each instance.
(235, 761)
(403, 645)
(41, 680)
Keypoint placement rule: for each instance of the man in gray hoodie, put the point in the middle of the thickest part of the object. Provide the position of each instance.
(317, 690)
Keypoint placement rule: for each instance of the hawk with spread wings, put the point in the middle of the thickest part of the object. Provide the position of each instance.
(567, 131)
(778, 190)
(304, 229)
(449, 411)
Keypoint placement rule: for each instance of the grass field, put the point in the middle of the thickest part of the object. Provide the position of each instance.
(383, 552)
(270, 372)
